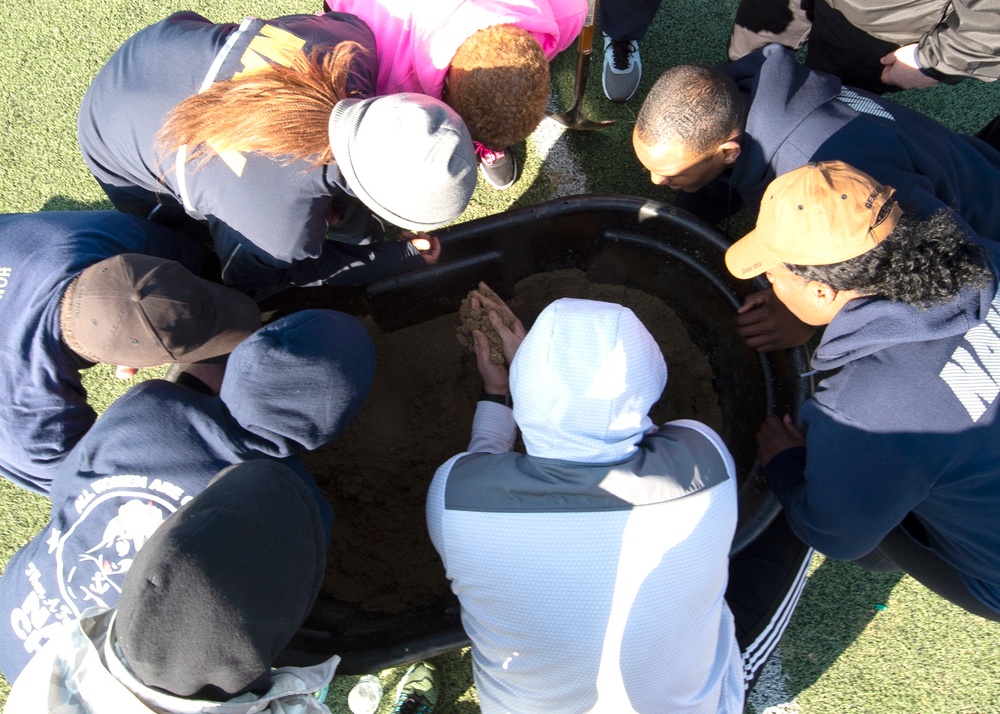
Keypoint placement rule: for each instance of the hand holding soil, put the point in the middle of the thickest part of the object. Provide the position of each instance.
(496, 378)
(483, 310)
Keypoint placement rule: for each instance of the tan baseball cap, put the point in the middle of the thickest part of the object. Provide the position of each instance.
(819, 214)
(142, 311)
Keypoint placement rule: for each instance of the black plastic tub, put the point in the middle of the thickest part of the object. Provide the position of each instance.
(622, 240)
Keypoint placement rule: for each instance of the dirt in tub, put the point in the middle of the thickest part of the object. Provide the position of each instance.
(419, 415)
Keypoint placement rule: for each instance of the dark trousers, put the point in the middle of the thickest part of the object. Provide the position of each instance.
(166, 211)
(758, 23)
(904, 549)
(626, 19)
(834, 45)
(991, 133)
(765, 582)
(162, 208)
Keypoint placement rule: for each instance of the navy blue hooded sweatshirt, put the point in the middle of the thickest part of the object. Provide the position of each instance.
(268, 220)
(291, 386)
(45, 411)
(908, 424)
(797, 115)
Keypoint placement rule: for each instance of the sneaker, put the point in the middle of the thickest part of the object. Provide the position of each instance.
(417, 691)
(622, 68)
(499, 167)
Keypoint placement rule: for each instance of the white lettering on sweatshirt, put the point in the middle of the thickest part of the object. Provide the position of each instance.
(974, 375)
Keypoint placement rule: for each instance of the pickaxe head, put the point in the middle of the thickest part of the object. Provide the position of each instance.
(573, 117)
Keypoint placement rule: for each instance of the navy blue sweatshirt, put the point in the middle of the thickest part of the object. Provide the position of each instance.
(46, 412)
(797, 115)
(908, 424)
(268, 220)
(292, 386)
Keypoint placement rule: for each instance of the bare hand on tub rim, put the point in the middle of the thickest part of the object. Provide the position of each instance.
(428, 245)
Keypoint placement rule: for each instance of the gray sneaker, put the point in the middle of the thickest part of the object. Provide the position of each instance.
(622, 68)
(499, 167)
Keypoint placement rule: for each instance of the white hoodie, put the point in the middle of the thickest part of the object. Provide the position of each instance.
(592, 572)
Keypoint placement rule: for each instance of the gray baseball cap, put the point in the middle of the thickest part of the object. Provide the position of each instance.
(408, 157)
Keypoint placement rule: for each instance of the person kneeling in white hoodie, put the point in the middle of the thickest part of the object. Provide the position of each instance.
(592, 571)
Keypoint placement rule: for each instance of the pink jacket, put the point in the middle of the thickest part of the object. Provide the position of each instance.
(416, 39)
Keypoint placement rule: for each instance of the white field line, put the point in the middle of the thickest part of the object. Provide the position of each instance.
(771, 695)
(559, 165)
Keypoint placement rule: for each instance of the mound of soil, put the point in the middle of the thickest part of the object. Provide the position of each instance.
(419, 415)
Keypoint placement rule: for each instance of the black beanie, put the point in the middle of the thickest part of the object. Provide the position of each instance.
(223, 585)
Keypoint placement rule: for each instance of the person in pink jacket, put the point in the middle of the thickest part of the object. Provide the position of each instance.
(488, 59)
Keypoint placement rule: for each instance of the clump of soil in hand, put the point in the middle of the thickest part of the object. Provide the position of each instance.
(477, 317)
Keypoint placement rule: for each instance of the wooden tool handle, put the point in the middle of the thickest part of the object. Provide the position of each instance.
(587, 32)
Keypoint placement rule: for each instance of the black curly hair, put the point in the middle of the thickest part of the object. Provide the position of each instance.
(920, 263)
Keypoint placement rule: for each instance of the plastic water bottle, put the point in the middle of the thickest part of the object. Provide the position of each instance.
(366, 695)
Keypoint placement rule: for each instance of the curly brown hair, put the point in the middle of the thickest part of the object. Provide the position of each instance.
(281, 112)
(499, 84)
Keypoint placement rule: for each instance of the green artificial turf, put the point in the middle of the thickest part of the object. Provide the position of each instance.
(872, 643)
(842, 652)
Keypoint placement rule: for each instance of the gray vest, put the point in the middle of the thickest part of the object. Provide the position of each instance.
(670, 463)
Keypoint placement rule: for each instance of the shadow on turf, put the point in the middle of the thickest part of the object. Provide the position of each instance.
(456, 674)
(838, 603)
(62, 203)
